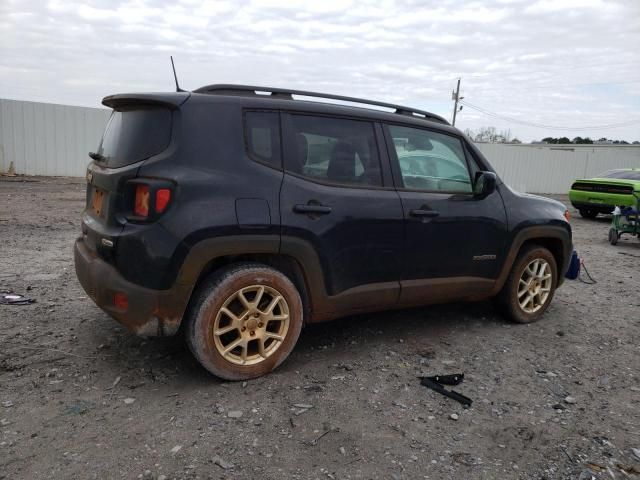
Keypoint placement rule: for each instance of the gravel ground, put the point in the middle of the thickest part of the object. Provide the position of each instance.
(82, 398)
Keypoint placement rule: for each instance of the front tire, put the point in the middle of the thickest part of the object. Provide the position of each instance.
(244, 321)
(613, 236)
(530, 286)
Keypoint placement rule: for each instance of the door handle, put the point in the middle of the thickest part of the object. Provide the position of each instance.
(419, 212)
(317, 209)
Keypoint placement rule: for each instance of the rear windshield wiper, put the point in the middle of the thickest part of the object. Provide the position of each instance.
(97, 157)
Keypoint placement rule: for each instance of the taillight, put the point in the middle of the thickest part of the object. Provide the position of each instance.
(148, 198)
(141, 205)
(567, 215)
(163, 196)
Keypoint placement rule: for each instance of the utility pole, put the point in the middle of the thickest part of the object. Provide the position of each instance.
(456, 97)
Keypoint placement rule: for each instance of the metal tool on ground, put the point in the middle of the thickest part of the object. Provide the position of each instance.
(437, 382)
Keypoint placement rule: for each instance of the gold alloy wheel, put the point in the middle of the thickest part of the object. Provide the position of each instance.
(534, 285)
(251, 325)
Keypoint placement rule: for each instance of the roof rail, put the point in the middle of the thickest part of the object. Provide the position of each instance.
(230, 89)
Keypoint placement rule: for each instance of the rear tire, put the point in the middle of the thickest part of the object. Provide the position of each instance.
(529, 288)
(588, 213)
(244, 321)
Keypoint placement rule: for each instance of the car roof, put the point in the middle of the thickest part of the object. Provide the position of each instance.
(285, 102)
(280, 99)
(249, 90)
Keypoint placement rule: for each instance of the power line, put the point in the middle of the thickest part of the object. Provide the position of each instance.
(548, 127)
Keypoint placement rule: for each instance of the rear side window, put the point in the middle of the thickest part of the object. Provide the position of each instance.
(262, 137)
(133, 135)
(335, 150)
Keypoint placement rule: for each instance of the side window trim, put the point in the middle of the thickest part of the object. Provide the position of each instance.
(289, 149)
(470, 158)
(247, 143)
(473, 156)
(395, 161)
(383, 154)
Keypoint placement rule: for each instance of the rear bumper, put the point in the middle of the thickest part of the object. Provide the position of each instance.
(600, 202)
(149, 312)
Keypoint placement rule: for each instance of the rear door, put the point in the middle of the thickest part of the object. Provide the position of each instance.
(454, 239)
(337, 197)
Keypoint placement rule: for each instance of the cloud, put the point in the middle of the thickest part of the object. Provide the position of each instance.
(556, 62)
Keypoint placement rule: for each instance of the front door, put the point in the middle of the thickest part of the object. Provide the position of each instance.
(337, 197)
(454, 239)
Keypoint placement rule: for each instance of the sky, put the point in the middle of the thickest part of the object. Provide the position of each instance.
(535, 67)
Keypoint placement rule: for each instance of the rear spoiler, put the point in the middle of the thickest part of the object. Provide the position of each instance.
(167, 100)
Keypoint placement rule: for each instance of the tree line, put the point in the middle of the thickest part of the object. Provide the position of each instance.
(492, 135)
(587, 140)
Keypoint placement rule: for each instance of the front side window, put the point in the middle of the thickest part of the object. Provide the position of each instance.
(430, 161)
(262, 137)
(334, 150)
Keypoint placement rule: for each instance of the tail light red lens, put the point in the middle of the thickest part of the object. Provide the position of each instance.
(141, 207)
(163, 197)
(149, 198)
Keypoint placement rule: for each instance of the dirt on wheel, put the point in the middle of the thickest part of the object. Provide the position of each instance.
(82, 398)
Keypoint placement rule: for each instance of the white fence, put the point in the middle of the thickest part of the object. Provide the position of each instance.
(47, 139)
(552, 168)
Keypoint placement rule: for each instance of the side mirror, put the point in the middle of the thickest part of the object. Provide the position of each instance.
(485, 184)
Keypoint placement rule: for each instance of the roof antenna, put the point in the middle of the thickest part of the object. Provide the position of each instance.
(178, 89)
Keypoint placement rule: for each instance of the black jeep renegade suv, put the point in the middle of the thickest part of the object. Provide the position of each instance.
(243, 212)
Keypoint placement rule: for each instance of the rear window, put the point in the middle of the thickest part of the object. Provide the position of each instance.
(133, 135)
(622, 174)
(262, 137)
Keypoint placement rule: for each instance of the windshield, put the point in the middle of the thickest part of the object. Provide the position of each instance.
(623, 174)
(133, 135)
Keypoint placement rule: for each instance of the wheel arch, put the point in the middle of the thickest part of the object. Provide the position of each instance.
(296, 259)
(285, 264)
(556, 239)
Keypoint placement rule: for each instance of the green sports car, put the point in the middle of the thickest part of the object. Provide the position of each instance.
(603, 193)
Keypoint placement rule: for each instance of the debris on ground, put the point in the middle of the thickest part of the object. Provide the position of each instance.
(15, 299)
(436, 383)
(222, 463)
(115, 383)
